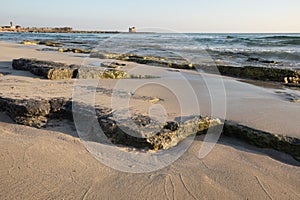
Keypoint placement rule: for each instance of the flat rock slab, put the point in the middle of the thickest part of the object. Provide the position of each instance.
(57, 71)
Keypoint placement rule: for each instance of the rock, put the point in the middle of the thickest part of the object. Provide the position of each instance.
(29, 112)
(148, 60)
(36, 112)
(57, 71)
(113, 65)
(168, 138)
(148, 134)
(251, 59)
(47, 69)
(46, 43)
(89, 73)
(114, 74)
(286, 80)
(85, 51)
(30, 42)
(263, 139)
(255, 73)
(1, 74)
(50, 43)
(172, 126)
(154, 100)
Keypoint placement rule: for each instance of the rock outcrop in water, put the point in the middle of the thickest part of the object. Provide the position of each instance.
(56, 71)
(255, 73)
(37, 112)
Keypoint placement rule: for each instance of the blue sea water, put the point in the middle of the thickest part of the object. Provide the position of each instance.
(225, 49)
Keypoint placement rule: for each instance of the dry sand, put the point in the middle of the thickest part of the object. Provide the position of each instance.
(54, 163)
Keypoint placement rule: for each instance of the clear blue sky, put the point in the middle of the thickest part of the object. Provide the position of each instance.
(177, 15)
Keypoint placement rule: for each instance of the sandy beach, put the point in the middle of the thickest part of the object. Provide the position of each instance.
(54, 163)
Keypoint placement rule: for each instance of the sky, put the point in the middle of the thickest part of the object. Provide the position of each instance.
(225, 16)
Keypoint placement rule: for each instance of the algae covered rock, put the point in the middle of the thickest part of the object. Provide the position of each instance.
(173, 133)
(114, 74)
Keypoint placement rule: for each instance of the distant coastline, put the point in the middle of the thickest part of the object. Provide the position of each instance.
(49, 30)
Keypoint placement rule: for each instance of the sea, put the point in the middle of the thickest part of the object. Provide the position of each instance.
(262, 50)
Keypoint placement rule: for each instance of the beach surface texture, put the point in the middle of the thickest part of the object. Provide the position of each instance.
(47, 153)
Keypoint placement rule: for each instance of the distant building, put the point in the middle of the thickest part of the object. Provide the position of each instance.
(10, 27)
(132, 29)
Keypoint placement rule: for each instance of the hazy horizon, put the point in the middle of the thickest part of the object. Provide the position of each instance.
(191, 16)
